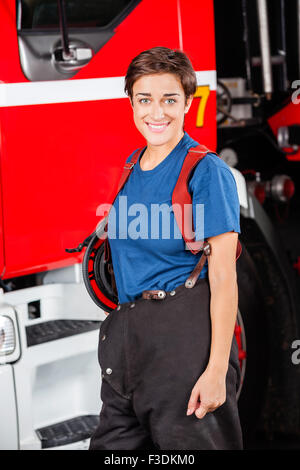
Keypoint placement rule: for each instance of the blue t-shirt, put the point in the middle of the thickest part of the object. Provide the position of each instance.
(147, 249)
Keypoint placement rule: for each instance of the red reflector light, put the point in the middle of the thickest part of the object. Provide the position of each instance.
(260, 193)
(288, 188)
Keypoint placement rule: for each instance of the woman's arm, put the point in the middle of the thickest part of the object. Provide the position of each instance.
(211, 386)
(224, 297)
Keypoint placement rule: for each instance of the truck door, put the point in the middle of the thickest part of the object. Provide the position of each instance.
(66, 124)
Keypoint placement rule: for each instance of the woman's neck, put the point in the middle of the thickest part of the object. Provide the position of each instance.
(155, 154)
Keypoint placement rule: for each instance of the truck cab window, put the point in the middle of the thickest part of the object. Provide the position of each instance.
(90, 24)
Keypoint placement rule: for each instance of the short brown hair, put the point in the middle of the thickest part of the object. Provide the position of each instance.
(162, 60)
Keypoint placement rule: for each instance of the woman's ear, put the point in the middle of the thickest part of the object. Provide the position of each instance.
(188, 103)
(131, 102)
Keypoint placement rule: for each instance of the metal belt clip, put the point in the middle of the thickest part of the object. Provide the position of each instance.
(154, 294)
(161, 294)
(189, 283)
(206, 248)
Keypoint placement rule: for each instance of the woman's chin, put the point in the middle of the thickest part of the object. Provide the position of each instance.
(155, 138)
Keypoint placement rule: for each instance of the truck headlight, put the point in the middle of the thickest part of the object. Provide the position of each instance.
(7, 336)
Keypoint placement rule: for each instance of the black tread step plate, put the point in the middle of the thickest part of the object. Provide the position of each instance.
(57, 329)
(66, 432)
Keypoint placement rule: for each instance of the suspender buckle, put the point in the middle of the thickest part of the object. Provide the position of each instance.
(128, 167)
(207, 248)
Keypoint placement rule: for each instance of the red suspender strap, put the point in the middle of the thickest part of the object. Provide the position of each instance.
(127, 169)
(182, 200)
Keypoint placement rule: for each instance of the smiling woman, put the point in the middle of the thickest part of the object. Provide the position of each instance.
(168, 354)
(160, 101)
(159, 116)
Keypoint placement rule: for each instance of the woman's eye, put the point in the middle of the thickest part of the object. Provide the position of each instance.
(146, 100)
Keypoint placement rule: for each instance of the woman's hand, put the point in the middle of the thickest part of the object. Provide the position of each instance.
(210, 390)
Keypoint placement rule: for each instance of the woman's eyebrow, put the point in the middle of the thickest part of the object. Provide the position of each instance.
(165, 94)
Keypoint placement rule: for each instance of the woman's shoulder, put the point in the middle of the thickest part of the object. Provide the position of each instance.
(210, 171)
(212, 161)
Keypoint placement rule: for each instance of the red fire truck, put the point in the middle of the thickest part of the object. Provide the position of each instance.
(65, 133)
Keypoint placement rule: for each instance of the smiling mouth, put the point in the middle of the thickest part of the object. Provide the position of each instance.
(157, 127)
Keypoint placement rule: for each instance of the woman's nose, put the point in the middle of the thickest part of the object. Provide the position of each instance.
(157, 111)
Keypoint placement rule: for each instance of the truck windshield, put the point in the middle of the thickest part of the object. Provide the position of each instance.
(43, 14)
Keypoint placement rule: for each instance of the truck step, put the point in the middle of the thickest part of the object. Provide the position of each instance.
(66, 432)
(56, 329)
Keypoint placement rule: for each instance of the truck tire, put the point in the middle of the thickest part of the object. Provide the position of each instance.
(279, 325)
(98, 277)
(253, 344)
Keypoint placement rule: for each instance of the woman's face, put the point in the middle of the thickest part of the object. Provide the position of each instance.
(159, 107)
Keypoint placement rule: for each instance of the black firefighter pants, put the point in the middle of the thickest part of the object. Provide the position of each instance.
(151, 353)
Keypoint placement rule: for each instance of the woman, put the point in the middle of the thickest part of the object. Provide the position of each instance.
(170, 367)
